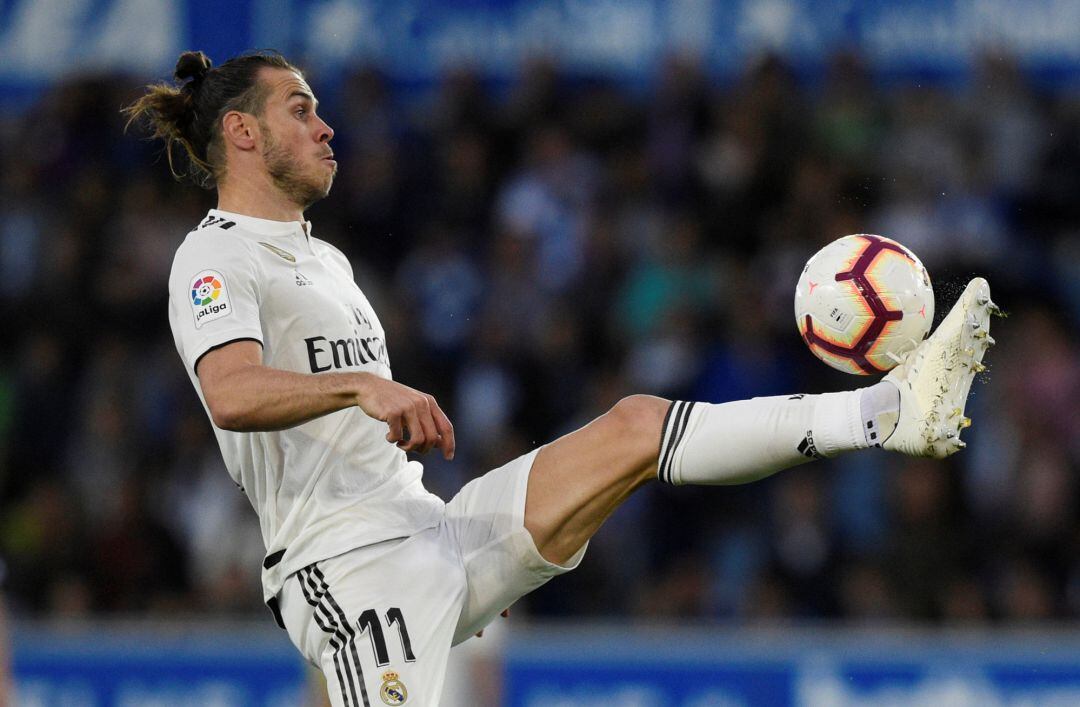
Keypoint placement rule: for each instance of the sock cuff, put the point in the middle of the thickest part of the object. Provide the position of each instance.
(677, 422)
(837, 423)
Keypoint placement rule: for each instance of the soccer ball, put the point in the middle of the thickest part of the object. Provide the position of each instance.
(863, 302)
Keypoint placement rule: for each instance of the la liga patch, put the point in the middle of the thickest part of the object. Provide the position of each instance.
(209, 297)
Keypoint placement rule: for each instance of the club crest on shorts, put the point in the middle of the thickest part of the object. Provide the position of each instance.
(393, 691)
(209, 297)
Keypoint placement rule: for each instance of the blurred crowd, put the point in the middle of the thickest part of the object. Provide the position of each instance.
(536, 250)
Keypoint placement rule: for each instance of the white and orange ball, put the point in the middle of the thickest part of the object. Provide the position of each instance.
(863, 302)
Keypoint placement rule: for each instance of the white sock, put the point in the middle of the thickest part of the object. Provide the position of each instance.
(739, 442)
(880, 410)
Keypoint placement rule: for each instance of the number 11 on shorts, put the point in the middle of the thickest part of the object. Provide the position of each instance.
(370, 624)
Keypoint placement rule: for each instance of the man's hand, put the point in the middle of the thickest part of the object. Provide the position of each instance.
(417, 423)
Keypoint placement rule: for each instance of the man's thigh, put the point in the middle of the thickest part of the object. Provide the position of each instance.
(487, 521)
(579, 480)
(378, 621)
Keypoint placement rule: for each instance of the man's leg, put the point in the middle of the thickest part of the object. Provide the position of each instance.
(518, 526)
(577, 481)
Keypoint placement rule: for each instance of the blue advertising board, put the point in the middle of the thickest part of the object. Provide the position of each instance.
(684, 667)
(150, 665)
(224, 665)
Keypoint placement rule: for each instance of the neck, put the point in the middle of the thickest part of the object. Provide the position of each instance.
(256, 195)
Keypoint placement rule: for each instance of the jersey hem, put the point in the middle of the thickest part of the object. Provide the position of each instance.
(274, 578)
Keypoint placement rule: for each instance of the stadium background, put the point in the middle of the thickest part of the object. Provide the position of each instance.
(553, 204)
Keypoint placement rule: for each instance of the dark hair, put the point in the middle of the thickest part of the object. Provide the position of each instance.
(188, 113)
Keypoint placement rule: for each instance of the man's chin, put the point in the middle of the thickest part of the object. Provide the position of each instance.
(317, 194)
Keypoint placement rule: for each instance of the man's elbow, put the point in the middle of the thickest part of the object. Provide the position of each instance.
(228, 416)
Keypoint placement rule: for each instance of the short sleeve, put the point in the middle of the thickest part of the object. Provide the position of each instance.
(213, 295)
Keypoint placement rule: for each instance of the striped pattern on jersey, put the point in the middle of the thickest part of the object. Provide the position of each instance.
(331, 619)
(671, 436)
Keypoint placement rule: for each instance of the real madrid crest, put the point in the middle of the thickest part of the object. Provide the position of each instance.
(393, 691)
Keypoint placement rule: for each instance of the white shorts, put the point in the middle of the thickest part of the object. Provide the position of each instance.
(379, 620)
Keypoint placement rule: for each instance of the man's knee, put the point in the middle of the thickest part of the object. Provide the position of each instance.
(639, 419)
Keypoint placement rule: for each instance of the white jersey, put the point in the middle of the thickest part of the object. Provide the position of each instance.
(329, 485)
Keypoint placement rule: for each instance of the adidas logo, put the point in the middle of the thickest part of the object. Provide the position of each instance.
(807, 448)
(224, 224)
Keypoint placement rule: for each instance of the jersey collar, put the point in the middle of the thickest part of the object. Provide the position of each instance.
(265, 227)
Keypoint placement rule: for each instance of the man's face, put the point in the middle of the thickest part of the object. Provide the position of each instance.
(296, 140)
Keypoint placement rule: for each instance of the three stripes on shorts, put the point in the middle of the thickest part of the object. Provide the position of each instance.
(671, 436)
(331, 619)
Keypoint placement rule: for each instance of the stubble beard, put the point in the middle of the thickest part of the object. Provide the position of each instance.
(288, 175)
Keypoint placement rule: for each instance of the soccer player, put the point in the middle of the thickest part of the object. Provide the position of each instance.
(373, 577)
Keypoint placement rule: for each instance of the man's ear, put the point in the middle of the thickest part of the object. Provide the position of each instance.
(241, 130)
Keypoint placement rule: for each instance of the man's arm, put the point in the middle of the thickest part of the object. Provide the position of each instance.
(245, 396)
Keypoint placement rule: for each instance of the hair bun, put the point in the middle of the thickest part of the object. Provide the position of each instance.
(192, 65)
